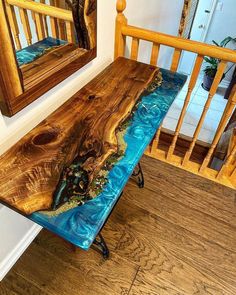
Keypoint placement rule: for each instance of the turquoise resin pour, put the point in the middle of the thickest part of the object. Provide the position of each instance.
(34, 51)
(81, 225)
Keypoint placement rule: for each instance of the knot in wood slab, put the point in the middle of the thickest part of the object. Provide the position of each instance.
(45, 138)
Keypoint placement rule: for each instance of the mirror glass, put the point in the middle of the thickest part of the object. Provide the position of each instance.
(49, 34)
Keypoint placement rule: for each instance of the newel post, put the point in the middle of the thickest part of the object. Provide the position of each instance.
(120, 22)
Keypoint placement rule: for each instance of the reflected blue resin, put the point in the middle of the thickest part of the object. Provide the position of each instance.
(81, 225)
(34, 51)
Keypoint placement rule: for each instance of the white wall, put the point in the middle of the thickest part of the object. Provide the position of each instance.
(156, 15)
(223, 24)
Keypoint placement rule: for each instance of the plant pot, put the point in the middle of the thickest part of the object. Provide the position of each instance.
(207, 82)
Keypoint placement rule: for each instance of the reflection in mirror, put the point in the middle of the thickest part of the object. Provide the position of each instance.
(48, 34)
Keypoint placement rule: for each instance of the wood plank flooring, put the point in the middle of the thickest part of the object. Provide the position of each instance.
(177, 236)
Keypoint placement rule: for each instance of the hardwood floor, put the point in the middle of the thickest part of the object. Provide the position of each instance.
(176, 236)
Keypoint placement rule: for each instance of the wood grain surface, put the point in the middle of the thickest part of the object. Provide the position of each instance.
(84, 127)
(84, 15)
(164, 239)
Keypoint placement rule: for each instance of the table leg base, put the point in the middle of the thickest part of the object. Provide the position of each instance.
(138, 172)
(100, 245)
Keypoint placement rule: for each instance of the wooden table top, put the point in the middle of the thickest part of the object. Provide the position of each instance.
(84, 153)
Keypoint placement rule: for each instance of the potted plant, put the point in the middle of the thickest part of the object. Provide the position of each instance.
(212, 65)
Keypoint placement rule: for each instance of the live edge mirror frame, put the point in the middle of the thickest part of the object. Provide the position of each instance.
(16, 91)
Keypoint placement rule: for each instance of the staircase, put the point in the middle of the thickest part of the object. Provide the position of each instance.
(206, 165)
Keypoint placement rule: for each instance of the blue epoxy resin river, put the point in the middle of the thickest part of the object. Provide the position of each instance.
(36, 50)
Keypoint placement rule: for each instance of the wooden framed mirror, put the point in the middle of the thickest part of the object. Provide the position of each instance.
(42, 43)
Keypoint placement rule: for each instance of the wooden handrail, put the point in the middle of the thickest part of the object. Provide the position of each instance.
(44, 9)
(179, 43)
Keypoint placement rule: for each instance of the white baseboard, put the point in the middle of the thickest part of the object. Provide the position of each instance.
(15, 254)
(12, 249)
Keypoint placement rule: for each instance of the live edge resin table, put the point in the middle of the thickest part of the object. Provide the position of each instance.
(68, 173)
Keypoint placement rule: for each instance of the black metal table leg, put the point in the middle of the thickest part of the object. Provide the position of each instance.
(101, 246)
(99, 243)
(139, 174)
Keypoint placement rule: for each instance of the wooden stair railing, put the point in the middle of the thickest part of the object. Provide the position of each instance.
(39, 13)
(231, 165)
(227, 173)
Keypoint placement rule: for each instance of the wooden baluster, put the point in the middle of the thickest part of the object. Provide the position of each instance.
(155, 53)
(232, 141)
(60, 23)
(231, 171)
(35, 23)
(70, 32)
(13, 24)
(175, 60)
(229, 110)
(227, 163)
(26, 25)
(233, 176)
(45, 20)
(39, 26)
(155, 141)
(120, 39)
(54, 28)
(34, 20)
(218, 77)
(46, 26)
(134, 48)
(53, 23)
(61, 29)
(191, 86)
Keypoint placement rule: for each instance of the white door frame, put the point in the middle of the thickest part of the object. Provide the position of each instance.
(213, 8)
(203, 38)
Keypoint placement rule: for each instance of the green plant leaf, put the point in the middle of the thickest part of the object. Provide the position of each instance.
(224, 42)
(214, 42)
(212, 63)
